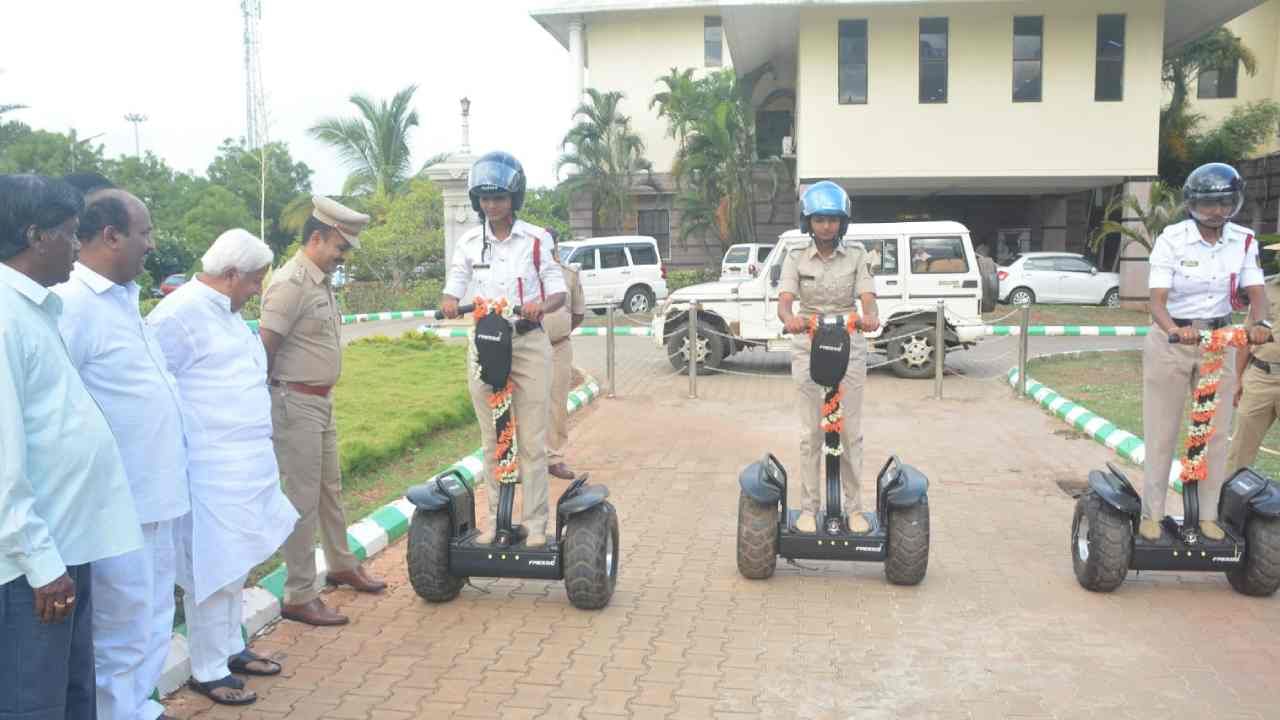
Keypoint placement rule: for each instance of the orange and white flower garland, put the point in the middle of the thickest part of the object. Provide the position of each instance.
(832, 407)
(1204, 404)
(504, 422)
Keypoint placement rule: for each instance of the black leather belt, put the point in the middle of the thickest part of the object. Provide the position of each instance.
(1210, 323)
(1269, 368)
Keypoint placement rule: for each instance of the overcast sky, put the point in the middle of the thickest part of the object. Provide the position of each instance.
(84, 65)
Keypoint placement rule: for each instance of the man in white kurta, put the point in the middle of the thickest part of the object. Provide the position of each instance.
(124, 370)
(239, 515)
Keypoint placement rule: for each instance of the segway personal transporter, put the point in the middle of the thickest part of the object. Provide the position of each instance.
(899, 533)
(1105, 543)
(443, 552)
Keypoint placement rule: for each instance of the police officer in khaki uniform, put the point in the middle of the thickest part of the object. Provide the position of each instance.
(1197, 267)
(828, 277)
(509, 259)
(559, 325)
(300, 329)
(1257, 397)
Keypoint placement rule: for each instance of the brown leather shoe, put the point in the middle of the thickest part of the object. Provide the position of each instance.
(358, 579)
(561, 471)
(314, 612)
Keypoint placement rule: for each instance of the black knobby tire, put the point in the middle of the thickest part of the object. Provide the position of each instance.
(1101, 544)
(678, 341)
(907, 557)
(757, 538)
(1259, 574)
(990, 283)
(591, 557)
(637, 301)
(912, 350)
(428, 556)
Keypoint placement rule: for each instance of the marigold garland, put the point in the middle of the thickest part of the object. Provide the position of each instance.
(1204, 404)
(500, 404)
(833, 407)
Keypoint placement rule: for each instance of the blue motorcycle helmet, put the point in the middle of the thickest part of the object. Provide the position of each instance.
(496, 173)
(826, 199)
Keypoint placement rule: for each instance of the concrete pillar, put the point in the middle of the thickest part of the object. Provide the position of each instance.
(451, 177)
(1053, 222)
(1134, 267)
(577, 59)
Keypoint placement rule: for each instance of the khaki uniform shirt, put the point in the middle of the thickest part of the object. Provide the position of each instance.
(827, 286)
(560, 323)
(1270, 352)
(300, 306)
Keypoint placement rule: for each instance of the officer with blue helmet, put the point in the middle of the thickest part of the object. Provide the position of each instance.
(828, 277)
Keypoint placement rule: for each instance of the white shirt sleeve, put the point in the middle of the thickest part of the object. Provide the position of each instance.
(174, 340)
(1251, 273)
(1162, 261)
(24, 536)
(549, 270)
(77, 335)
(459, 276)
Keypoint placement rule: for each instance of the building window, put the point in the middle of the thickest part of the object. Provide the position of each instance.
(657, 225)
(1218, 82)
(933, 60)
(712, 41)
(1028, 57)
(853, 62)
(1108, 81)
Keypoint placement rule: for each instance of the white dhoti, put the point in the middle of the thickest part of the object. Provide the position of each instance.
(132, 624)
(239, 517)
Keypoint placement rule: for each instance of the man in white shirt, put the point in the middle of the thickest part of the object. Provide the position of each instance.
(239, 515)
(124, 369)
(64, 497)
(1197, 267)
(509, 259)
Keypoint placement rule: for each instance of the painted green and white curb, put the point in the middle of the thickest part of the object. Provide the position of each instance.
(1068, 330)
(366, 539)
(461, 331)
(1128, 446)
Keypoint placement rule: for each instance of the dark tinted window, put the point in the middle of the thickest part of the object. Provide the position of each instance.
(1028, 56)
(643, 255)
(657, 225)
(1038, 264)
(853, 62)
(737, 255)
(1072, 264)
(612, 257)
(762, 254)
(933, 60)
(586, 258)
(1109, 76)
(1218, 82)
(712, 41)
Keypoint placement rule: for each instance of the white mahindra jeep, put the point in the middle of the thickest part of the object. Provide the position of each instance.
(916, 264)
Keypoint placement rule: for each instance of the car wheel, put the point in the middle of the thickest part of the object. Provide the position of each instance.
(638, 300)
(1112, 298)
(1022, 296)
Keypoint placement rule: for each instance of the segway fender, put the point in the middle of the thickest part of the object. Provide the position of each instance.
(447, 491)
(427, 496)
(761, 481)
(1115, 491)
(1267, 502)
(585, 499)
(909, 488)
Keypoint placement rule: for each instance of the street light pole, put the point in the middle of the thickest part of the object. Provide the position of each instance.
(137, 119)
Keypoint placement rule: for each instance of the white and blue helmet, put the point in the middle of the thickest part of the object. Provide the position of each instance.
(825, 199)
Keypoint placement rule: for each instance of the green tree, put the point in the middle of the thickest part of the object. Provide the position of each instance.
(408, 231)
(238, 168)
(1162, 208)
(607, 157)
(23, 150)
(374, 144)
(216, 210)
(548, 208)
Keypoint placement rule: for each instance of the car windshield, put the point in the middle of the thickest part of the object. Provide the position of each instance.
(565, 251)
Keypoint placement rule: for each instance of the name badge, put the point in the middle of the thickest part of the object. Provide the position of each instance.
(480, 266)
(807, 277)
(1190, 263)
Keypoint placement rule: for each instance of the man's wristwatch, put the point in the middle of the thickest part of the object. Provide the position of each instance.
(1264, 323)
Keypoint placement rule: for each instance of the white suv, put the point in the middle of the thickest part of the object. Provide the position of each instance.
(625, 268)
(744, 260)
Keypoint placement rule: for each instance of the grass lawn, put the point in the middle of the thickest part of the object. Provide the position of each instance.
(1069, 315)
(1110, 384)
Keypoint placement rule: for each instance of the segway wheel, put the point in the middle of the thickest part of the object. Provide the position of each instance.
(591, 557)
(757, 538)
(1259, 574)
(907, 557)
(1101, 544)
(428, 556)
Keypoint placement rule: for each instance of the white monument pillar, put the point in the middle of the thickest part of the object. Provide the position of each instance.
(451, 175)
(577, 60)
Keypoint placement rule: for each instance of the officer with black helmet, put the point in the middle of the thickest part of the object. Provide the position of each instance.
(827, 277)
(509, 259)
(1200, 268)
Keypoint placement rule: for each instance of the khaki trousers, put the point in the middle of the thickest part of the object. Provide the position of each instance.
(531, 375)
(306, 443)
(1169, 374)
(1259, 407)
(561, 377)
(810, 397)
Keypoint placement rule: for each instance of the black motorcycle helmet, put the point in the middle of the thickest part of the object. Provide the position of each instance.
(1215, 182)
(496, 173)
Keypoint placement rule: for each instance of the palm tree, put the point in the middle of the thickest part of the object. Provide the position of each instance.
(375, 143)
(608, 157)
(10, 108)
(1162, 208)
(1178, 124)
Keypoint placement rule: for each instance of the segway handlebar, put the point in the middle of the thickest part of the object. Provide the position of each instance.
(842, 319)
(522, 325)
(1175, 339)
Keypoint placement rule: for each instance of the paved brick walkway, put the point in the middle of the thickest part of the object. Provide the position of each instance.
(999, 628)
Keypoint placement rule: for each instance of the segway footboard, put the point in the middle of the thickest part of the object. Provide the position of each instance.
(871, 546)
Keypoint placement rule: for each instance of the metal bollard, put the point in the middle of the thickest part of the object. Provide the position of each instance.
(1024, 323)
(692, 358)
(609, 350)
(939, 349)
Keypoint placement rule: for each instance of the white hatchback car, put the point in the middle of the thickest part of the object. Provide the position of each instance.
(625, 269)
(1056, 277)
(744, 260)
